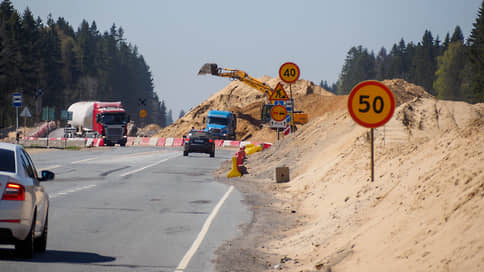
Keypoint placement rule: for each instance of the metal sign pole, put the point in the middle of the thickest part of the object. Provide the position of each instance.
(16, 110)
(372, 156)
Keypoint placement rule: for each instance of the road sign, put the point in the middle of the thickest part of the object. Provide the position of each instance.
(26, 113)
(371, 104)
(289, 72)
(278, 124)
(17, 100)
(278, 113)
(143, 113)
(279, 93)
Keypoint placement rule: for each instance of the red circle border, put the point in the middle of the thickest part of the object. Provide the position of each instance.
(298, 72)
(372, 83)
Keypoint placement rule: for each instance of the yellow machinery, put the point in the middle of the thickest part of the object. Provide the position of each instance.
(213, 69)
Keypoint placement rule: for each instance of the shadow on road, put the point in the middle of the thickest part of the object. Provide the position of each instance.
(58, 256)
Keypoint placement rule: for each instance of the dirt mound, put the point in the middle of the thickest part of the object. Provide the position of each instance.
(422, 213)
(404, 91)
(246, 102)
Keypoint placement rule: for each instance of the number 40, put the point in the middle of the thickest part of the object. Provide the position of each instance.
(377, 104)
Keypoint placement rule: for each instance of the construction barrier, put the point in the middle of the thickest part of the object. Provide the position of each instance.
(178, 142)
(169, 142)
(130, 141)
(161, 142)
(135, 141)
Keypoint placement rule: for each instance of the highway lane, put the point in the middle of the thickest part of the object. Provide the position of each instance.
(133, 209)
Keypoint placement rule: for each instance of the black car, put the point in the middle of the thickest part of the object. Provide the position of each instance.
(199, 141)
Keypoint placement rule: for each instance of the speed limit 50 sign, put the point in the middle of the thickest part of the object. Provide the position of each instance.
(371, 104)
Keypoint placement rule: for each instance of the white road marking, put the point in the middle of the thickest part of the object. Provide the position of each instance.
(144, 167)
(71, 191)
(85, 160)
(203, 232)
(51, 167)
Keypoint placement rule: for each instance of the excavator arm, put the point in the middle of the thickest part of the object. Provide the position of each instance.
(213, 69)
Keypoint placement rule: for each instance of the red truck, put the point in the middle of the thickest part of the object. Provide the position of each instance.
(93, 119)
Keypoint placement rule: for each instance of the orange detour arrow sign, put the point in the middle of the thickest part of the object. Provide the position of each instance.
(371, 104)
(278, 113)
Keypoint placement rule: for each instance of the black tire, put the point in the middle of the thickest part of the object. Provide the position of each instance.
(25, 248)
(40, 244)
(185, 153)
(122, 144)
(212, 154)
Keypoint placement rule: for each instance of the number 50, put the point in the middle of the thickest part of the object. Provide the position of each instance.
(377, 104)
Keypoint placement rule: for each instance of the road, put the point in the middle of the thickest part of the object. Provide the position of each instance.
(133, 209)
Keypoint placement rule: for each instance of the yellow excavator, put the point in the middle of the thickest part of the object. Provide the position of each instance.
(213, 69)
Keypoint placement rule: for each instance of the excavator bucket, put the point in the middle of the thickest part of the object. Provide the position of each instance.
(209, 68)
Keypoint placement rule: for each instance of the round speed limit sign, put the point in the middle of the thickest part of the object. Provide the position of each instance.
(371, 104)
(289, 72)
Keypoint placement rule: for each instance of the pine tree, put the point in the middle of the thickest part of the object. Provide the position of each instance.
(181, 114)
(163, 115)
(476, 56)
(449, 74)
(169, 118)
(457, 35)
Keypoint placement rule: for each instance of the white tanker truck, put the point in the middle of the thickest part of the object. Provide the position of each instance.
(93, 119)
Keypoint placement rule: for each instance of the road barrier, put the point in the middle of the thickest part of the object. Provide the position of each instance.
(131, 141)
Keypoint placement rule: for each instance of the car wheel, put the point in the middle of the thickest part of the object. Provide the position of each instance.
(212, 154)
(25, 248)
(185, 153)
(40, 244)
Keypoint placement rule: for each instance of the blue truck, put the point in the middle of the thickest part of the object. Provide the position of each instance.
(221, 124)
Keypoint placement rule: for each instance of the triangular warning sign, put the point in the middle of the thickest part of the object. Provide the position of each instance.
(279, 93)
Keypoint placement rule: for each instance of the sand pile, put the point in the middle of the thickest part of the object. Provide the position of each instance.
(246, 102)
(424, 212)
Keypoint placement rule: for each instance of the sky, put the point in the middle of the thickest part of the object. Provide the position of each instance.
(177, 37)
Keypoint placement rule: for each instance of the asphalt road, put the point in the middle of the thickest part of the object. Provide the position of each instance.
(133, 209)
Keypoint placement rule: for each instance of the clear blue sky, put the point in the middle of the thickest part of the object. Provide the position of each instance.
(177, 37)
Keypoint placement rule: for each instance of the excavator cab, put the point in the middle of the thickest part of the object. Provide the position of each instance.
(209, 69)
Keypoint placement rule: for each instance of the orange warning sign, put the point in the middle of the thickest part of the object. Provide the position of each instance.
(279, 93)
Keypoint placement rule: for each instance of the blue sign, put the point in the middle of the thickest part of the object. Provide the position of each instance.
(17, 100)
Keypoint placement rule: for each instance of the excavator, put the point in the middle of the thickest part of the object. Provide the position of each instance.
(213, 69)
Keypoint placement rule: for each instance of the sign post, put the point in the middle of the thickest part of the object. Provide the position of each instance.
(371, 104)
(289, 72)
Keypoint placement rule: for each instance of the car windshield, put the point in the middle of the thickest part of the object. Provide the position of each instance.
(217, 120)
(200, 134)
(114, 118)
(7, 157)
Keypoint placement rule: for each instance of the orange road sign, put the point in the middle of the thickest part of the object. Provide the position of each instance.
(279, 93)
(371, 104)
(278, 113)
(143, 113)
(289, 72)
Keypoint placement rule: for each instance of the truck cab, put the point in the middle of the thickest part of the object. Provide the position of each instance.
(221, 124)
(110, 122)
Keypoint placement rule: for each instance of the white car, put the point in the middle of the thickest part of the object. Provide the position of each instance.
(24, 205)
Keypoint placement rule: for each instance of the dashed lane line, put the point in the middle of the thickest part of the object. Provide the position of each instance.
(71, 191)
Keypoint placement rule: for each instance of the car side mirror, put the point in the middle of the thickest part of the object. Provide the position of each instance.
(46, 175)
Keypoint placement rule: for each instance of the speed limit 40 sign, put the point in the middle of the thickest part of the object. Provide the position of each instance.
(371, 104)
(289, 72)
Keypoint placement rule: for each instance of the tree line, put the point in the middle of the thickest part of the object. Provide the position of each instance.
(52, 65)
(451, 70)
